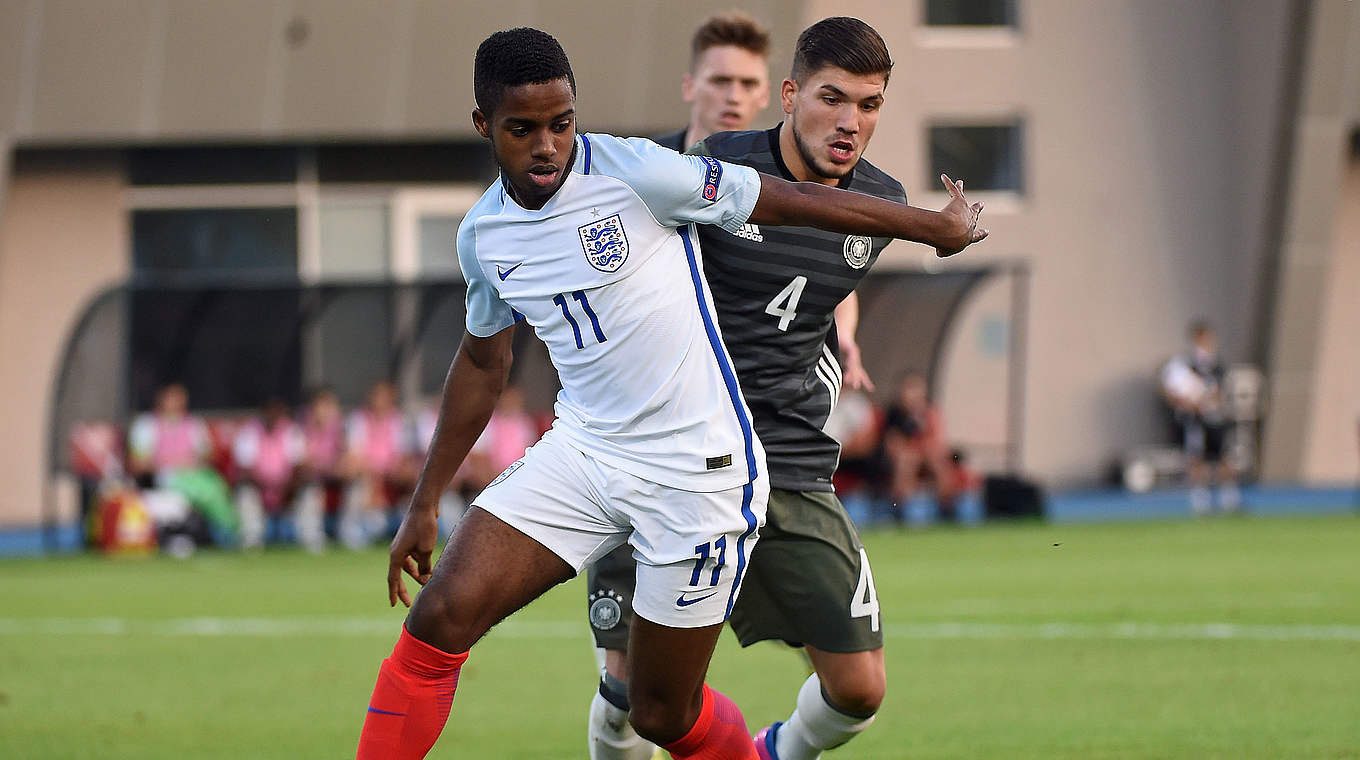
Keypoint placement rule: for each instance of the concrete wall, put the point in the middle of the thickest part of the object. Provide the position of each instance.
(63, 237)
(1139, 198)
(82, 70)
(1332, 437)
(1310, 263)
(1150, 130)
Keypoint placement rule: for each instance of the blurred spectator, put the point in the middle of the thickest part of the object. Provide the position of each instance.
(510, 431)
(167, 452)
(916, 450)
(324, 472)
(380, 451)
(268, 452)
(1192, 384)
(858, 425)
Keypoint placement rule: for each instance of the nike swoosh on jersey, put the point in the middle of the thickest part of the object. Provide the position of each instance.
(506, 273)
(683, 602)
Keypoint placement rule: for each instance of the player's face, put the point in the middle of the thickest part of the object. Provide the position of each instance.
(727, 88)
(533, 134)
(833, 114)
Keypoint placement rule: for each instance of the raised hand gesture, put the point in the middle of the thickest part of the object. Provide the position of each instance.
(966, 219)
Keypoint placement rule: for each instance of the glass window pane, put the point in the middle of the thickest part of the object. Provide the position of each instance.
(439, 245)
(406, 163)
(985, 157)
(970, 12)
(211, 165)
(354, 238)
(254, 241)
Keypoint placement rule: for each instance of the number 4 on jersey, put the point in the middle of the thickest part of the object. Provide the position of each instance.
(785, 305)
(865, 601)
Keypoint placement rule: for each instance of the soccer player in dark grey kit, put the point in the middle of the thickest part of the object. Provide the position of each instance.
(776, 290)
(728, 80)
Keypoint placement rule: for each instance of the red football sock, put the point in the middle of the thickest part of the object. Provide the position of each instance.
(410, 702)
(719, 733)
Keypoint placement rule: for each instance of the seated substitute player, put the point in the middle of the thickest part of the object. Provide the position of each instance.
(775, 292)
(586, 238)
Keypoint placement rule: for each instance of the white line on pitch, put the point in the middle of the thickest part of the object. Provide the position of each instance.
(368, 626)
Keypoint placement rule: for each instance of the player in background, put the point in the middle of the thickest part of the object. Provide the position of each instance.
(1192, 384)
(728, 81)
(726, 86)
(775, 290)
(586, 238)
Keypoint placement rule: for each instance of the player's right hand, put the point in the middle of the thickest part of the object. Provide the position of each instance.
(966, 218)
(411, 551)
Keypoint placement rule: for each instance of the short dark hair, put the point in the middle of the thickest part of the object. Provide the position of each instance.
(514, 57)
(732, 28)
(1200, 327)
(844, 42)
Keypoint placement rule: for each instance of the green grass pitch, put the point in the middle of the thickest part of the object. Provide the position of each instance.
(1225, 638)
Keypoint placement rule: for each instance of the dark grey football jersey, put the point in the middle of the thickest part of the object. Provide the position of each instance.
(776, 290)
(673, 140)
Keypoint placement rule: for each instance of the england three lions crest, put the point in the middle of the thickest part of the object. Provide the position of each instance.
(605, 243)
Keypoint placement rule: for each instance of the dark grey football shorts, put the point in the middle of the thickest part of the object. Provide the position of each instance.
(808, 582)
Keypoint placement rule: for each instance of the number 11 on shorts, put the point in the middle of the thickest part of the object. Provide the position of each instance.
(865, 601)
(703, 552)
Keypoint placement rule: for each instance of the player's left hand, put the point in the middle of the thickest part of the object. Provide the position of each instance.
(856, 377)
(411, 551)
(965, 217)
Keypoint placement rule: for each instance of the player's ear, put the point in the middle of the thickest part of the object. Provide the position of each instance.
(480, 123)
(787, 92)
(687, 87)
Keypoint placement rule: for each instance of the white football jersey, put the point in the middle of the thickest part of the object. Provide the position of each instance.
(609, 274)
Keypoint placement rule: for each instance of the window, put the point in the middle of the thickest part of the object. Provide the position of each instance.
(236, 241)
(970, 13)
(985, 157)
(211, 165)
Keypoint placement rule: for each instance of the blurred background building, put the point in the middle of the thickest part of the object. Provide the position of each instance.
(1144, 163)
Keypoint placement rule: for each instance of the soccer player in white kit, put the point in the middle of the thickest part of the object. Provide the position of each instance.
(589, 239)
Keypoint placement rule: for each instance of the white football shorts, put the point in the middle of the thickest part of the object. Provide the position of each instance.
(692, 548)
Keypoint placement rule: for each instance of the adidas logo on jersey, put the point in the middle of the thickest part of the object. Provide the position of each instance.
(751, 232)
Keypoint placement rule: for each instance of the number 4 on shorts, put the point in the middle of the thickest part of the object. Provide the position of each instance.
(865, 601)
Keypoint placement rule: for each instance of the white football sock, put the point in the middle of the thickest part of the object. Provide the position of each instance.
(815, 725)
(1201, 500)
(611, 735)
(1229, 496)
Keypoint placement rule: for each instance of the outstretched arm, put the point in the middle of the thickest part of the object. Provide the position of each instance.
(809, 204)
(474, 383)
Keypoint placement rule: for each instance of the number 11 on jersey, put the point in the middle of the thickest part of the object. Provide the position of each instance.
(580, 297)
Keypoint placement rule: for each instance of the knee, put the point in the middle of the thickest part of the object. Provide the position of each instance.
(441, 621)
(658, 722)
(861, 695)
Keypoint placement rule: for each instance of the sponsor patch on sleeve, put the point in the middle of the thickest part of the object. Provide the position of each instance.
(712, 178)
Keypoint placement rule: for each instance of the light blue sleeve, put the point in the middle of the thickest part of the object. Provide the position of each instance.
(487, 314)
(680, 189)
